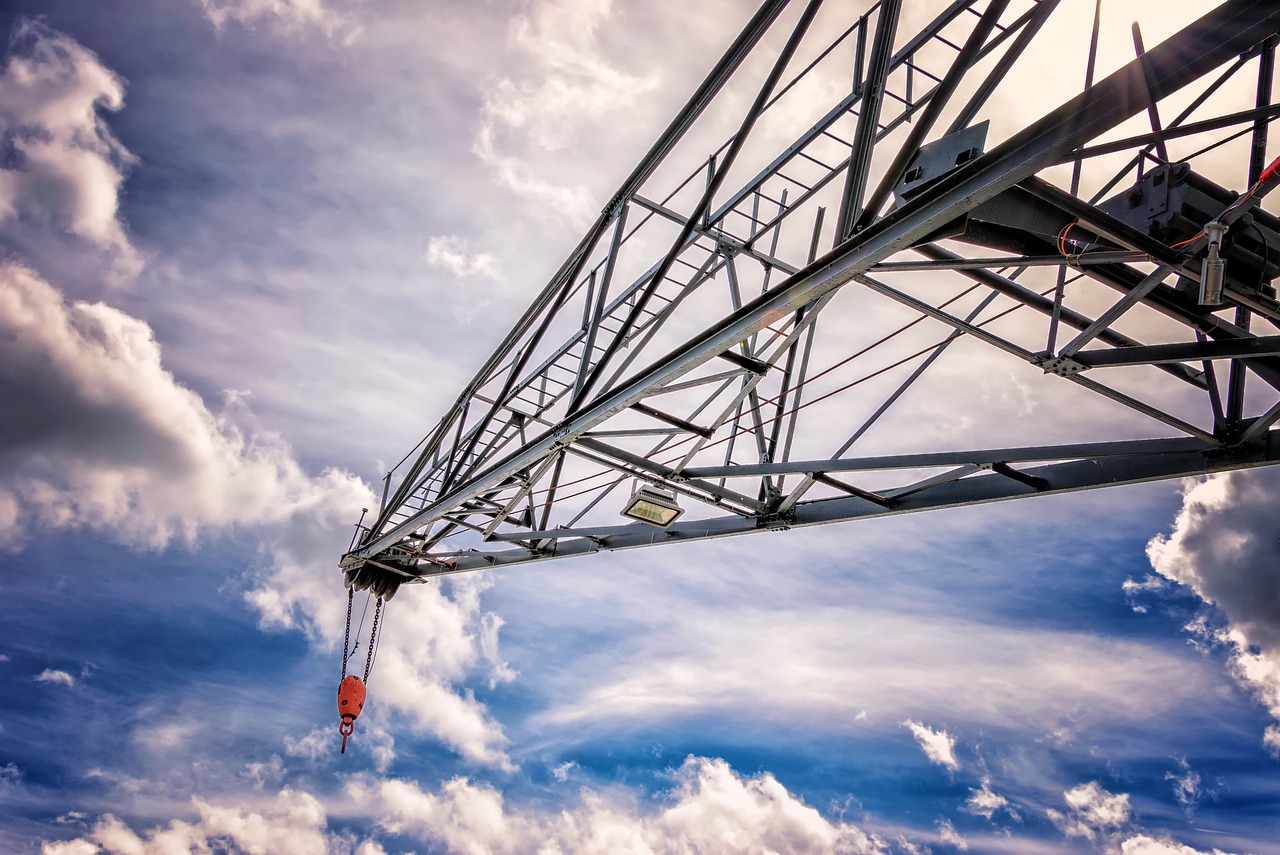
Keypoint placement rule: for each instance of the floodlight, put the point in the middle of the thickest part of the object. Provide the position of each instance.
(653, 505)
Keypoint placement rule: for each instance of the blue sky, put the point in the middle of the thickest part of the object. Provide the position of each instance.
(252, 250)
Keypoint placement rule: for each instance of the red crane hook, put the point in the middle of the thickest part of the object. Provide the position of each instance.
(350, 703)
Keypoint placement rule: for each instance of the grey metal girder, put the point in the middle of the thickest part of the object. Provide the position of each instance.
(1221, 34)
(1054, 478)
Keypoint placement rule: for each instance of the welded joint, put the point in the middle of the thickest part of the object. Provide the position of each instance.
(755, 366)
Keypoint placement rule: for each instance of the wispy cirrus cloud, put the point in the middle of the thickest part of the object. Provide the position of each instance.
(290, 15)
(453, 254)
(897, 665)
(565, 82)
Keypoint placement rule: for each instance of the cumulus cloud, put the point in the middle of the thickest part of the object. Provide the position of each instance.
(1271, 739)
(452, 254)
(295, 824)
(565, 81)
(711, 808)
(1092, 812)
(938, 745)
(1143, 844)
(1224, 546)
(109, 440)
(68, 168)
(985, 802)
(55, 677)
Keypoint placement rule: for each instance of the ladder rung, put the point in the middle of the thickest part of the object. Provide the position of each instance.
(786, 177)
(812, 159)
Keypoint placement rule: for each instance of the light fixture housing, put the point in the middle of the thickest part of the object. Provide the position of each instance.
(653, 505)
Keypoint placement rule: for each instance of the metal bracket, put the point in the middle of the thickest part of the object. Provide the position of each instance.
(1063, 366)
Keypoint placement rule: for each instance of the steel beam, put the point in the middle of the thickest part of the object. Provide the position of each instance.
(1220, 35)
(1051, 479)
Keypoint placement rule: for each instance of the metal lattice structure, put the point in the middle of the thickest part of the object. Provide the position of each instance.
(699, 340)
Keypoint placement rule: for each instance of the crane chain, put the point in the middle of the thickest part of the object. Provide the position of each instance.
(346, 639)
(373, 634)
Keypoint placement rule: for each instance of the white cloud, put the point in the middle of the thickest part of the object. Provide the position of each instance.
(499, 671)
(565, 82)
(710, 809)
(1092, 812)
(263, 773)
(810, 666)
(948, 834)
(1271, 739)
(313, 746)
(452, 253)
(295, 824)
(906, 847)
(1142, 844)
(985, 802)
(52, 676)
(1149, 584)
(938, 745)
(69, 167)
(10, 777)
(1188, 788)
(289, 15)
(1223, 547)
(110, 441)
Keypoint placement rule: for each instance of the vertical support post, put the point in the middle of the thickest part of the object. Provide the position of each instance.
(1153, 113)
(855, 183)
(937, 102)
(615, 246)
(1257, 162)
(1059, 291)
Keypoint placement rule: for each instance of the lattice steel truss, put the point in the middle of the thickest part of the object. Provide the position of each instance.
(697, 340)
